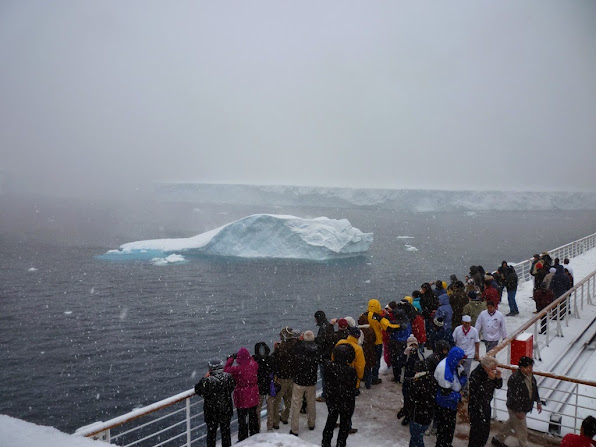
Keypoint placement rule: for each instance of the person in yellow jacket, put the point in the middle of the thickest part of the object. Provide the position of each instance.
(359, 361)
(378, 323)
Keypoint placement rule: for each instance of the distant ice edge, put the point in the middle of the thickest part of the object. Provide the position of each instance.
(395, 199)
(262, 236)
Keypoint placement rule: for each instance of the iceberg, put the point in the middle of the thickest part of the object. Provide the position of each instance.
(263, 236)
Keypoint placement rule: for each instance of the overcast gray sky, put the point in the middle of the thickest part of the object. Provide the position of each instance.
(483, 94)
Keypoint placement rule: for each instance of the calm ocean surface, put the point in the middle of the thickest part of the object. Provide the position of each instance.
(83, 339)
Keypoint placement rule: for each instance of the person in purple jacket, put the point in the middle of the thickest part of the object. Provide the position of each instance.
(246, 393)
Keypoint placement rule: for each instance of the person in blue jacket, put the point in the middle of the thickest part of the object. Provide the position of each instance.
(450, 378)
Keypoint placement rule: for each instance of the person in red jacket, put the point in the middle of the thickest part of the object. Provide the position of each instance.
(585, 437)
(246, 393)
(490, 292)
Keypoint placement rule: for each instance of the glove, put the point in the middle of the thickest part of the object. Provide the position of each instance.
(377, 317)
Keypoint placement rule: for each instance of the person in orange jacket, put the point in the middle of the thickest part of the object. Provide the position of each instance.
(378, 323)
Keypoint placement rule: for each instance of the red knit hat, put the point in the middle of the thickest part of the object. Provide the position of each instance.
(342, 323)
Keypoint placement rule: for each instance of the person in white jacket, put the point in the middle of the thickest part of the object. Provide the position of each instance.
(466, 337)
(491, 326)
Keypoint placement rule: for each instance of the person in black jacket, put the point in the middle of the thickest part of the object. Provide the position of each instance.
(307, 357)
(341, 397)
(265, 378)
(509, 280)
(326, 340)
(483, 381)
(522, 392)
(441, 350)
(216, 388)
(283, 353)
(429, 304)
(419, 403)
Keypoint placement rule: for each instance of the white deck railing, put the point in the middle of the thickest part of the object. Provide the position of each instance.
(567, 400)
(178, 420)
(570, 250)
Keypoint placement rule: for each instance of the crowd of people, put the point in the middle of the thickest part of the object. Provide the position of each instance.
(449, 320)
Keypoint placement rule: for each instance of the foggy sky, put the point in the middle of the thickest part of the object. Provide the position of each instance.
(105, 96)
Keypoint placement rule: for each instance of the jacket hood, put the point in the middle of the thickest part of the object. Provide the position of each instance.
(243, 356)
(262, 346)
(443, 298)
(453, 358)
(374, 306)
(320, 317)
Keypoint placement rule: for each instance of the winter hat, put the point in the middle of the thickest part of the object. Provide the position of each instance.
(438, 321)
(215, 364)
(471, 281)
(351, 321)
(342, 323)
(354, 332)
(473, 295)
(409, 299)
(488, 277)
(552, 270)
(309, 336)
(412, 341)
(286, 333)
(466, 319)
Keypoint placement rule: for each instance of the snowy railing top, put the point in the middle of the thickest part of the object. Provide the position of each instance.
(93, 429)
(569, 250)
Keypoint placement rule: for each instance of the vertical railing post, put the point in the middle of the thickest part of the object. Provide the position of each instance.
(559, 328)
(576, 404)
(536, 349)
(188, 422)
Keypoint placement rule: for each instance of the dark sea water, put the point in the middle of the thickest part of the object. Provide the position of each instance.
(83, 339)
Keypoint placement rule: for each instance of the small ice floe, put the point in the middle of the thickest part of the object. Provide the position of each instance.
(172, 259)
(367, 281)
(470, 213)
(68, 312)
(410, 248)
(405, 237)
(32, 269)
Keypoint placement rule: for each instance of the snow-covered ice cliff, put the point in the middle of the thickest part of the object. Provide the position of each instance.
(401, 199)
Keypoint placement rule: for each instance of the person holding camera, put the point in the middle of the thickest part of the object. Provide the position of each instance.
(216, 388)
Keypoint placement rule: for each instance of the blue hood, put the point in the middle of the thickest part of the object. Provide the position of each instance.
(453, 359)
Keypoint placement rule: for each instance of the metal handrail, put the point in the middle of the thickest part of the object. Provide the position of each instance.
(569, 250)
(135, 414)
(556, 306)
